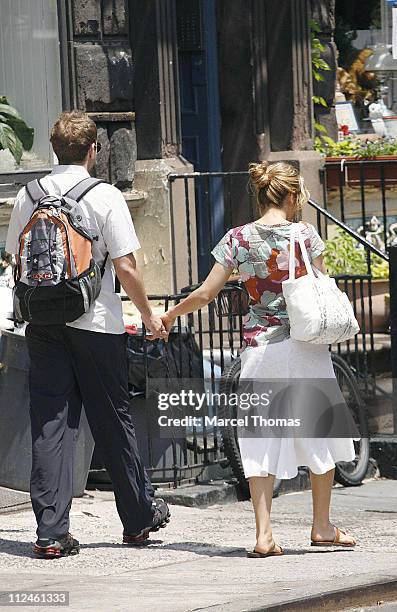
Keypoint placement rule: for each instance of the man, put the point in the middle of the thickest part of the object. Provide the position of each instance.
(84, 362)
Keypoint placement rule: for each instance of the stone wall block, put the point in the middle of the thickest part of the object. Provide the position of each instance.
(123, 154)
(104, 77)
(114, 17)
(103, 157)
(86, 17)
(323, 12)
(327, 118)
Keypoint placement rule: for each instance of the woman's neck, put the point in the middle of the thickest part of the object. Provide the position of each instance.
(273, 216)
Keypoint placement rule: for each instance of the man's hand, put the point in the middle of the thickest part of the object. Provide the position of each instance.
(156, 327)
(132, 282)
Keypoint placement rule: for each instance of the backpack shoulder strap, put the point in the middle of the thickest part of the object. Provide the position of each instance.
(35, 191)
(79, 191)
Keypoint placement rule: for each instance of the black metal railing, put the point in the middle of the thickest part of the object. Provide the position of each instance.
(360, 192)
(200, 346)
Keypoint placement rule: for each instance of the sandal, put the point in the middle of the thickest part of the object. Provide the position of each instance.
(335, 542)
(254, 554)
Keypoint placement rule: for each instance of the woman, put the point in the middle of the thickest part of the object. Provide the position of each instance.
(260, 252)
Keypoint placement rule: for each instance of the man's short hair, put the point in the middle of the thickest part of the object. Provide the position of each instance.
(72, 135)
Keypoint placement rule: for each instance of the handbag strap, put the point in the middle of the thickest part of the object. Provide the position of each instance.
(295, 231)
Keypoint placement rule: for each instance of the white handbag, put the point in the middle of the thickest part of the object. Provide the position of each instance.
(319, 312)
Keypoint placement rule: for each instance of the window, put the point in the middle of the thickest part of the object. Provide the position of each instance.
(30, 72)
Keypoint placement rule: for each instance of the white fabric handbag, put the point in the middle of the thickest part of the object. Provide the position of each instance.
(318, 311)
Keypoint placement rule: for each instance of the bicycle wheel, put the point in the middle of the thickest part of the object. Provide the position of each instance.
(352, 474)
(229, 384)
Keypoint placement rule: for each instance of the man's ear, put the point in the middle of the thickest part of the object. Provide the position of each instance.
(90, 159)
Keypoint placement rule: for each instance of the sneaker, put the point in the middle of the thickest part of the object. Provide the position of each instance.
(52, 549)
(161, 516)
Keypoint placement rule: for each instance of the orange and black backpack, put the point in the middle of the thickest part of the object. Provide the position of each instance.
(56, 277)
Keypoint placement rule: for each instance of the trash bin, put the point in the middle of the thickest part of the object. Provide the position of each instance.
(15, 436)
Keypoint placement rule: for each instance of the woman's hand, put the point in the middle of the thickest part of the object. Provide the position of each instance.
(155, 326)
(168, 320)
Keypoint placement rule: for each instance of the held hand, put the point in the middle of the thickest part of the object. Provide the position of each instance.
(156, 328)
(168, 320)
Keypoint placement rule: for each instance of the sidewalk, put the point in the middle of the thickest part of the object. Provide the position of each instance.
(199, 561)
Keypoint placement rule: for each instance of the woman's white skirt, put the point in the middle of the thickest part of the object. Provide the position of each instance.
(282, 456)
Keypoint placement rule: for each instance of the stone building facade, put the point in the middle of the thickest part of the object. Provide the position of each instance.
(182, 85)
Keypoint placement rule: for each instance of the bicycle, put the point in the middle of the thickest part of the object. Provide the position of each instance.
(347, 474)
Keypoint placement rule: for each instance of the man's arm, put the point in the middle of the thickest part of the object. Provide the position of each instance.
(131, 280)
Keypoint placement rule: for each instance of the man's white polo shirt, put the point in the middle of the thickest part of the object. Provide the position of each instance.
(109, 216)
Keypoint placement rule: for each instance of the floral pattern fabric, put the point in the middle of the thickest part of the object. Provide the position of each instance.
(261, 255)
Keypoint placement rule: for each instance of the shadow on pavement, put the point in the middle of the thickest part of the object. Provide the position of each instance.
(16, 548)
(24, 549)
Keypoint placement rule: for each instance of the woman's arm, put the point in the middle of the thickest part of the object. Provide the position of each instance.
(202, 296)
(318, 262)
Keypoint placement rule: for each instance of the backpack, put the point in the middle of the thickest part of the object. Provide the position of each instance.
(56, 277)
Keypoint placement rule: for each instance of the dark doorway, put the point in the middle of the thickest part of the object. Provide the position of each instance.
(200, 115)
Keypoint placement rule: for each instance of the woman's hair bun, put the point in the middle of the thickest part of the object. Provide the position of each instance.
(260, 175)
(274, 181)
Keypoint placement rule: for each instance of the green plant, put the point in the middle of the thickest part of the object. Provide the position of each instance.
(380, 267)
(344, 148)
(319, 65)
(354, 147)
(15, 134)
(343, 255)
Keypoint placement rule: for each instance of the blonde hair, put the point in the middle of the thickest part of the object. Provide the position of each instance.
(274, 182)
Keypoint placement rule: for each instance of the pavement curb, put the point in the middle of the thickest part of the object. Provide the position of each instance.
(364, 594)
(12, 500)
(200, 495)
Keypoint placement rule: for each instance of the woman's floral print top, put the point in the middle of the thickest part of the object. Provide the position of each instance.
(260, 253)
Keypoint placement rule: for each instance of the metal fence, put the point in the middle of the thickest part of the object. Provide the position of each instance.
(213, 336)
(363, 194)
(207, 341)
(200, 345)
(372, 353)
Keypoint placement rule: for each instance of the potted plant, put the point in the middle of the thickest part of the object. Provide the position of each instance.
(342, 157)
(15, 134)
(342, 256)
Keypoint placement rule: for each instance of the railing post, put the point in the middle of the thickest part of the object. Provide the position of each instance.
(393, 326)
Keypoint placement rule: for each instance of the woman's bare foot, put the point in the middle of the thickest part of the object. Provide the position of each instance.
(328, 533)
(267, 545)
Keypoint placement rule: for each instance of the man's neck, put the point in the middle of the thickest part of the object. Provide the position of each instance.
(82, 164)
(73, 163)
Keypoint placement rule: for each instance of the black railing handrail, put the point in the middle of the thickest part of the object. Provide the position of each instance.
(173, 175)
(339, 159)
(363, 241)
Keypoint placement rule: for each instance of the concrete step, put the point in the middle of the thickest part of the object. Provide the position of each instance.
(13, 501)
